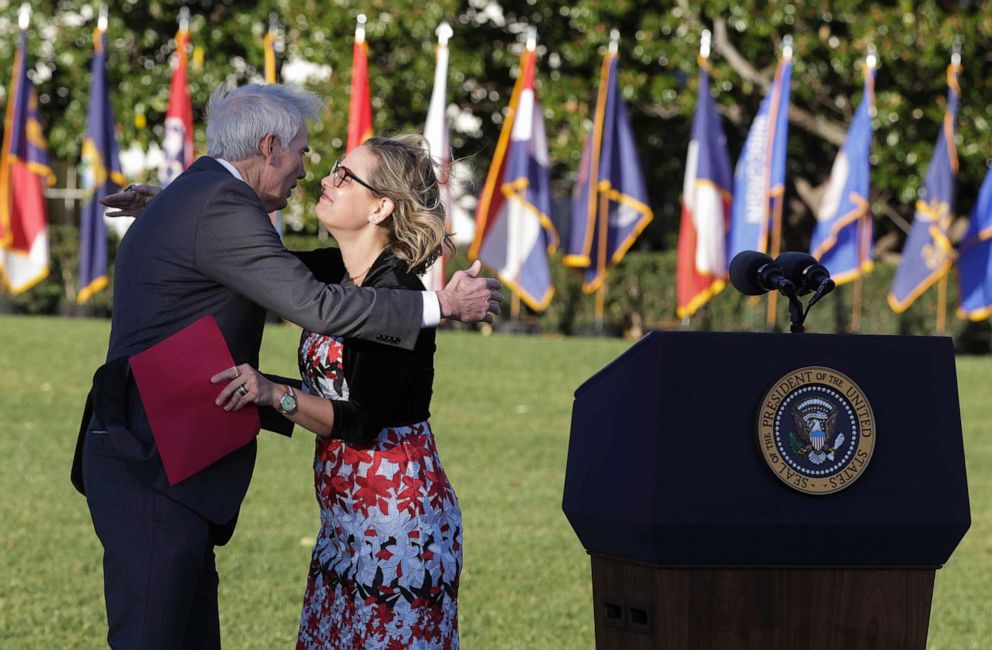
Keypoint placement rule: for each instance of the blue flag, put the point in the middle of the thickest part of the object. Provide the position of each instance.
(842, 239)
(759, 179)
(610, 203)
(101, 174)
(928, 252)
(975, 259)
(514, 232)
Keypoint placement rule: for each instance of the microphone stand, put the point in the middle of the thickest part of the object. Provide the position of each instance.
(796, 312)
(797, 315)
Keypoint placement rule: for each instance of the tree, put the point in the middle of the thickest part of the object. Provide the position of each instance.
(657, 73)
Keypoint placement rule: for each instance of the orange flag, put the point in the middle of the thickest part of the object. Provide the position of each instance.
(360, 110)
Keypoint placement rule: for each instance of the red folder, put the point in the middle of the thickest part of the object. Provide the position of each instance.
(173, 378)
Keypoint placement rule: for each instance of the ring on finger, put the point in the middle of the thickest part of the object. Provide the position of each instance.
(243, 390)
(237, 373)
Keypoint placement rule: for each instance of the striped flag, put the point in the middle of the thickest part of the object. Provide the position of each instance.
(439, 146)
(24, 172)
(975, 259)
(928, 253)
(610, 203)
(177, 146)
(706, 200)
(843, 236)
(514, 232)
(759, 179)
(360, 107)
(101, 174)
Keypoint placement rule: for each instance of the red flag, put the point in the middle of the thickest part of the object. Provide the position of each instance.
(360, 109)
(24, 172)
(178, 143)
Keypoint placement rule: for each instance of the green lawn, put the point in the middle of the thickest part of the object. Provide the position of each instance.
(501, 412)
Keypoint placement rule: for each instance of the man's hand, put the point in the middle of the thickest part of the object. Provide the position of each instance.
(130, 201)
(470, 299)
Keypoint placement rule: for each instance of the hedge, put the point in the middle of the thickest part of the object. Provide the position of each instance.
(640, 296)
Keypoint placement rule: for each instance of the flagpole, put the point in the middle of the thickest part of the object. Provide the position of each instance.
(942, 283)
(942, 304)
(270, 48)
(270, 76)
(360, 28)
(864, 223)
(604, 213)
(531, 45)
(863, 242)
(856, 305)
(776, 243)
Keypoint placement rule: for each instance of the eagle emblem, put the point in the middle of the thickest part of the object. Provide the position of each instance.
(816, 435)
(816, 430)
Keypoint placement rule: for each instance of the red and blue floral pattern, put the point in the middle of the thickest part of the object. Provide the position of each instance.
(385, 568)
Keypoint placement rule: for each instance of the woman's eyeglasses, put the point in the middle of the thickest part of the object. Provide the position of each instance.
(340, 173)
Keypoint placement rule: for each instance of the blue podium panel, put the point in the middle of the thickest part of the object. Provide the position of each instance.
(664, 465)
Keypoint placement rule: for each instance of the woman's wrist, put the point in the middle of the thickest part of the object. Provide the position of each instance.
(285, 401)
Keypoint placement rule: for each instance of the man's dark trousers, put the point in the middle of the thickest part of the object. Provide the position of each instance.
(161, 587)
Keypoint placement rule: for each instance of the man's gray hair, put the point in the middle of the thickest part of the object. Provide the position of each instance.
(238, 119)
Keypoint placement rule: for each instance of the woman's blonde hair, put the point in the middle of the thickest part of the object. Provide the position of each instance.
(405, 173)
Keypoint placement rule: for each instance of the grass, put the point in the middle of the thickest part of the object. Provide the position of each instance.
(501, 410)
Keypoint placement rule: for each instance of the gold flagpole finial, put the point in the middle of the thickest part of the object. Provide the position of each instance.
(101, 22)
(531, 38)
(184, 19)
(614, 41)
(273, 23)
(705, 43)
(360, 29)
(787, 46)
(24, 16)
(956, 51)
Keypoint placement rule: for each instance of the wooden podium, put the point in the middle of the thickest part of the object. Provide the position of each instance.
(696, 543)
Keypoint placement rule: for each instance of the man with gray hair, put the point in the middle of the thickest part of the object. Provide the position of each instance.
(205, 246)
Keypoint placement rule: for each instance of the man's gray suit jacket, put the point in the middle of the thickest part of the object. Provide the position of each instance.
(205, 246)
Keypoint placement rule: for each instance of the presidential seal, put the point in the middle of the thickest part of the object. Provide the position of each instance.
(816, 430)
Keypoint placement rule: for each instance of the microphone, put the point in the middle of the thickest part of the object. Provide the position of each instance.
(753, 274)
(807, 274)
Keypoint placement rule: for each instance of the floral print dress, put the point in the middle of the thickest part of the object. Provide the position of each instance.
(385, 568)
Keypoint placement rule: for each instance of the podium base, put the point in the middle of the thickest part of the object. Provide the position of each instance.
(640, 606)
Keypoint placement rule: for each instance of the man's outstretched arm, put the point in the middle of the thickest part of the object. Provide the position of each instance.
(467, 297)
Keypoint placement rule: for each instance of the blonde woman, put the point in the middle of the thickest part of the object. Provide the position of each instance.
(385, 568)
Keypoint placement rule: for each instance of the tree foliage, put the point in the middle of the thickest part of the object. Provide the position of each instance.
(657, 73)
